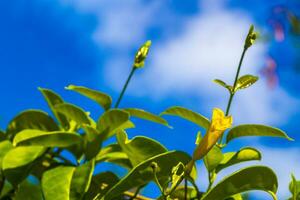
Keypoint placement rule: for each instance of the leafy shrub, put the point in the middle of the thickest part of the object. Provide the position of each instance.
(34, 166)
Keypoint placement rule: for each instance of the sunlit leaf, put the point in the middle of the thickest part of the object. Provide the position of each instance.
(223, 84)
(54, 99)
(232, 158)
(139, 148)
(250, 178)
(139, 113)
(46, 139)
(73, 112)
(17, 162)
(255, 130)
(294, 188)
(101, 98)
(5, 146)
(213, 158)
(188, 115)
(245, 81)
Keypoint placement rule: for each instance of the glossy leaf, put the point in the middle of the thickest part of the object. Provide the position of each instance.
(5, 146)
(142, 173)
(31, 119)
(101, 98)
(140, 148)
(113, 153)
(73, 112)
(18, 162)
(232, 158)
(100, 184)
(223, 84)
(46, 139)
(213, 158)
(188, 115)
(56, 183)
(139, 113)
(255, 130)
(81, 180)
(111, 121)
(245, 81)
(250, 178)
(54, 99)
(28, 191)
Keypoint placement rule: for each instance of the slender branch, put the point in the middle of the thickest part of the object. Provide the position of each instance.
(136, 192)
(138, 197)
(185, 188)
(125, 86)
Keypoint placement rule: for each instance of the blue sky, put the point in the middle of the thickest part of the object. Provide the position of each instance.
(54, 43)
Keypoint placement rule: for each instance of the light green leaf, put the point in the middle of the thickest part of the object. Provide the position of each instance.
(101, 98)
(140, 148)
(56, 183)
(143, 173)
(5, 146)
(139, 113)
(250, 178)
(188, 115)
(213, 158)
(232, 158)
(18, 162)
(178, 173)
(54, 99)
(113, 153)
(81, 180)
(245, 81)
(46, 139)
(111, 121)
(73, 112)
(31, 119)
(294, 188)
(28, 191)
(100, 184)
(235, 197)
(255, 130)
(223, 84)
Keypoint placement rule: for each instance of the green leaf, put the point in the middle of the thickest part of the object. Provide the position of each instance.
(18, 162)
(81, 180)
(140, 148)
(235, 197)
(255, 130)
(178, 173)
(179, 193)
(56, 183)
(113, 153)
(188, 115)
(139, 113)
(111, 121)
(223, 84)
(245, 81)
(101, 98)
(73, 112)
(100, 184)
(232, 158)
(54, 99)
(5, 146)
(250, 178)
(46, 139)
(213, 158)
(143, 173)
(294, 188)
(2, 135)
(28, 191)
(31, 119)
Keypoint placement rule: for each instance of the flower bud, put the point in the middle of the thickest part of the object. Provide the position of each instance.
(251, 37)
(141, 55)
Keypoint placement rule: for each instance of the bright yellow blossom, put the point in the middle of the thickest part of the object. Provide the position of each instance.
(219, 123)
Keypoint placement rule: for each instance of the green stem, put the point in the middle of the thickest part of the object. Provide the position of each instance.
(185, 188)
(125, 86)
(136, 192)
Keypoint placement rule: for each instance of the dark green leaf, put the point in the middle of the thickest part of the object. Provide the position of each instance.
(18, 162)
(179, 193)
(31, 119)
(143, 173)
(28, 191)
(245, 81)
(255, 130)
(46, 139)
(2, 135)
(139, 113)
(250, 178)
(54, 99)
(213, 158)
(188, 115)
(102, 99)
(139, 148)
(232, 158)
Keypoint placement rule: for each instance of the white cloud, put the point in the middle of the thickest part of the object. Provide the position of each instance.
(282, 161)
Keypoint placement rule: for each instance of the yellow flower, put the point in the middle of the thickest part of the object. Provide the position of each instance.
(219, 123)
(141, 55)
